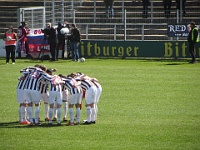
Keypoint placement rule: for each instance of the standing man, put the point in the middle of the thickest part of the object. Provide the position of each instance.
(193, 38)
(51, 37)
(145, 3)
(10, 44)
(183, 6)
(75, 40)
(22, 41)
(167, 7)
(61, 41)
(109, 8)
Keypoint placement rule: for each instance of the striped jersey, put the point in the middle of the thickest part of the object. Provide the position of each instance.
(96, 83)
(43, 86)
(22, 82)
(35, 75)
(54, 84)
(70, 83)
(86, 83)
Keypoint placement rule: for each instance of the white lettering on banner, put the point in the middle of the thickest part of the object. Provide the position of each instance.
(177, 28)
(35, 32)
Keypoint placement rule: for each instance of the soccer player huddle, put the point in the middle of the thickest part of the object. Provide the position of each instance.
(58, 92)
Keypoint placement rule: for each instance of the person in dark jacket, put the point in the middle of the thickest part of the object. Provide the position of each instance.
(51, 37)
(61, 41)
(167, 7)
(193, 38)
(75, 40)
(109, 8)
(145, 3)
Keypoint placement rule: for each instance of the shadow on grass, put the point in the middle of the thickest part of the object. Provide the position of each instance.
(17, 125)
(169, 62)
(173, 64)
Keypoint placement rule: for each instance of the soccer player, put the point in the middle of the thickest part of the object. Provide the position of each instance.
(35, 74)
(44, 95)
(98, 94)
(21, 98)
(65, 101)
(55, 97)
(90, 95)
(74, 98)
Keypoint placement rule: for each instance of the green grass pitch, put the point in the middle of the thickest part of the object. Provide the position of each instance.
(145, 105)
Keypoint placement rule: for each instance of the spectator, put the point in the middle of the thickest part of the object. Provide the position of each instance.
(109, 8)
(146, 3)
(66, 25)
(22, 44)
(61, 41)
(183, 6)
(51, 37)
(193, 38)
(75, 40)
(167, 7)
(10, 44)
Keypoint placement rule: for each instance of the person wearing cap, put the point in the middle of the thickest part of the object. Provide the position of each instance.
(193, 38)
(10, 39)
(75, 40)
(23, 30)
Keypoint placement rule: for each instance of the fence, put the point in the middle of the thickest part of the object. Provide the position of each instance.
(127, 32)
(126, 25)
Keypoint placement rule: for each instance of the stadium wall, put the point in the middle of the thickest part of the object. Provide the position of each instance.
(130, 49)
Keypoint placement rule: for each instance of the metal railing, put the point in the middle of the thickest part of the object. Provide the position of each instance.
(125, 25)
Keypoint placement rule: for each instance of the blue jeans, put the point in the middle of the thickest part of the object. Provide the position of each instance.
(75, 52)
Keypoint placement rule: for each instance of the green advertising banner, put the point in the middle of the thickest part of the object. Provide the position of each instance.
(126, 49)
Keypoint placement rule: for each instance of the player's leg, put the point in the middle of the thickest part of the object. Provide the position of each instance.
(52, 97)
(71, 110)
(55, 110)
(78, 109)
(65, 108)
(59, 107)
(90, 99)
(30, 106)
(45, 97)
(35, 99)
(65, 104)
(37, 113)
(98, 94)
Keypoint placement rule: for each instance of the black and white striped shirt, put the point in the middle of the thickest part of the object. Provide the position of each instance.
(86, 83)
(34, 77)
(55, 83)
(70, 83)
(43, 86)
(22, 82)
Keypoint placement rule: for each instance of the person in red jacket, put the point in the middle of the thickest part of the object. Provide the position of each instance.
(10, 39)
(23, 30)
